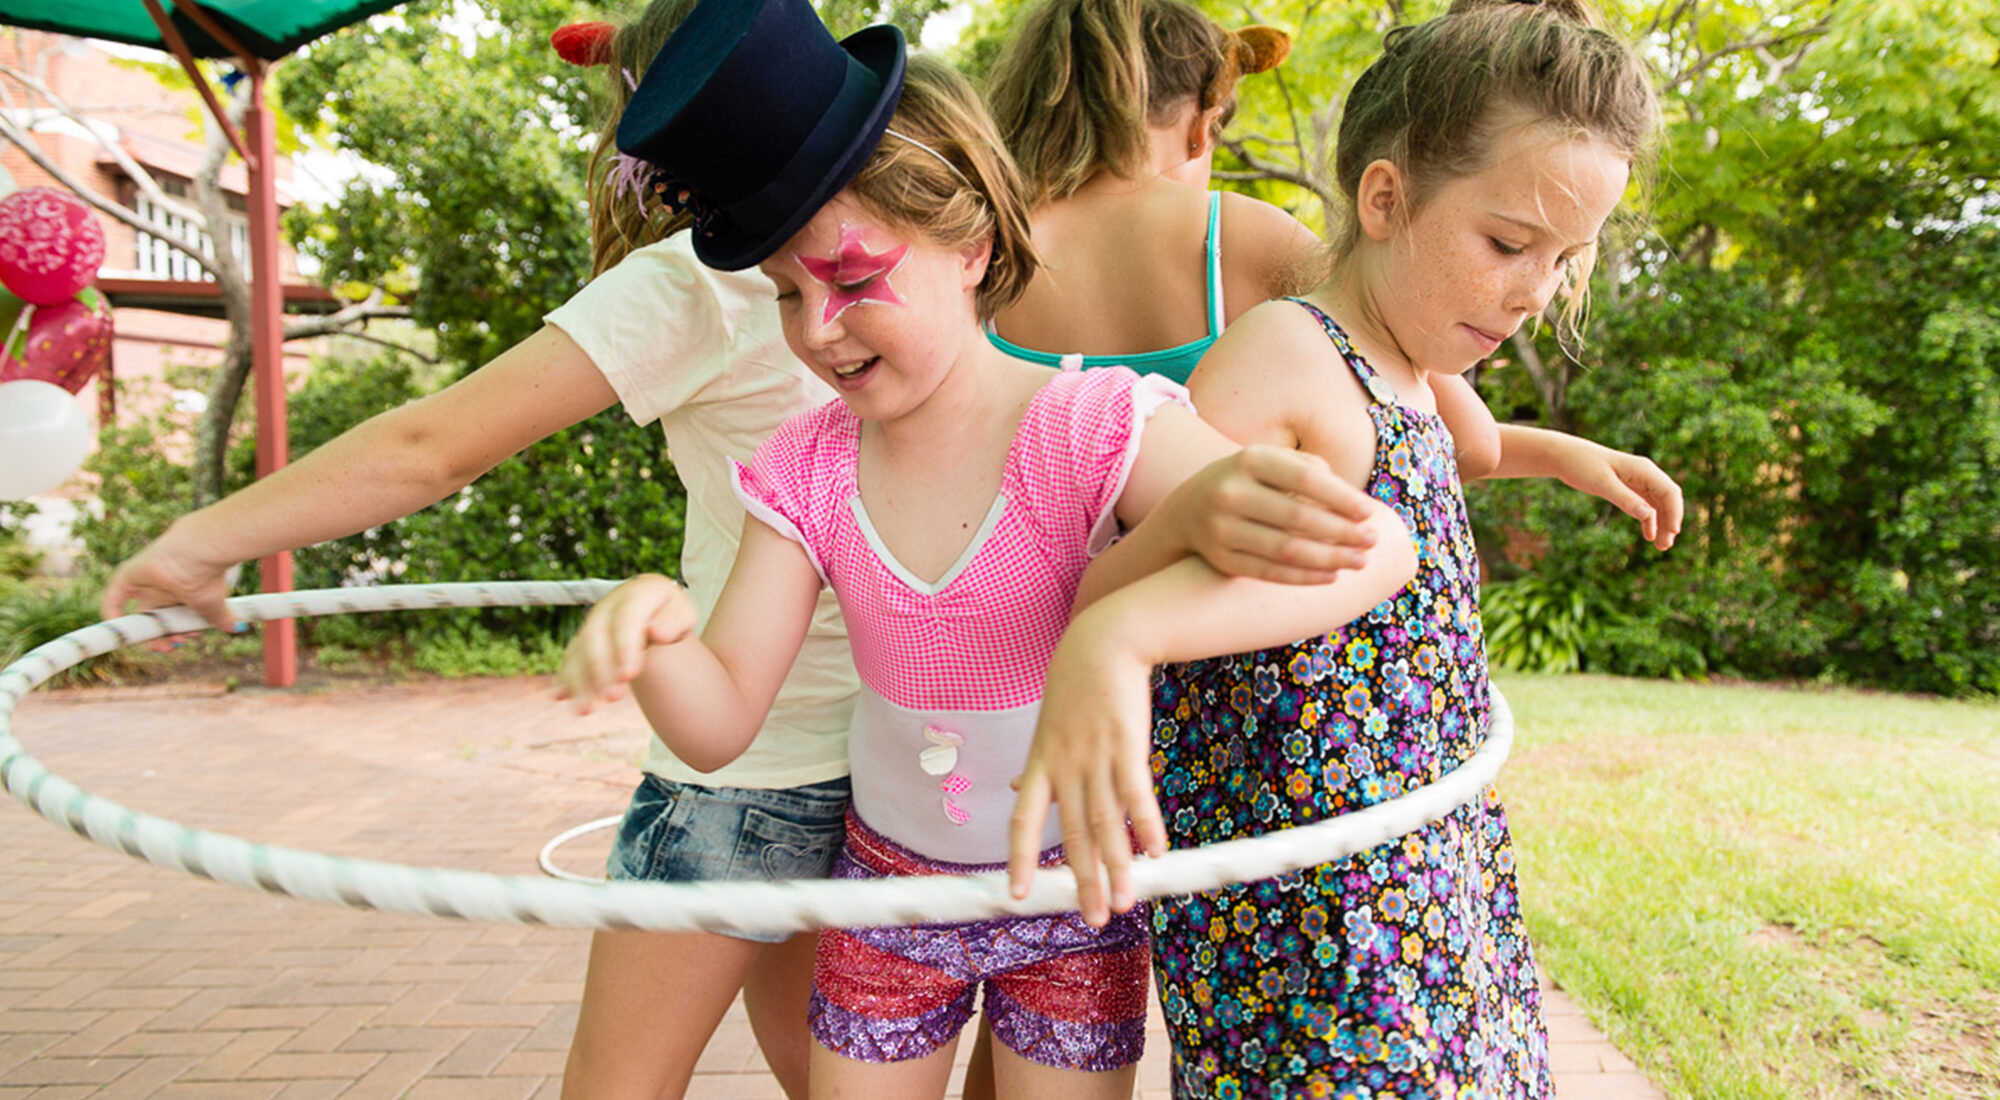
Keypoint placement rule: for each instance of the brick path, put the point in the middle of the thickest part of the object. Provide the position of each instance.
(121, 980)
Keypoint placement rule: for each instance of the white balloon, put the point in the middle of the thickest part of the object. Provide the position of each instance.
(43, 437)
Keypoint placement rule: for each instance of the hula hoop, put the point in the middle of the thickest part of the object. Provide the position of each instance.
(739, 907)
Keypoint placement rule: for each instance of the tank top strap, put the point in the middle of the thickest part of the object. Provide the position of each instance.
(1214, 264)
(1377, 386)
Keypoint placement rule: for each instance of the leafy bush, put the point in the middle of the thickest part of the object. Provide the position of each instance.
(599, 499)
(1840, 451)
(18, 560)
(478, 652)
(1534, 625)
(34, 613)
(142, 485)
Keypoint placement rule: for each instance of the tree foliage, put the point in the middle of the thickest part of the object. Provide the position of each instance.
(1803, 331)
(473, 205)
(1799, 321)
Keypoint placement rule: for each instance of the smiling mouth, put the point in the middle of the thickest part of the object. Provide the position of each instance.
(855, 370)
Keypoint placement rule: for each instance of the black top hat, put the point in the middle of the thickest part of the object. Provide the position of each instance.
(755, 117)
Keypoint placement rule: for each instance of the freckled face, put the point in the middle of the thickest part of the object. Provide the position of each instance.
(873, 309)
(1485, 252)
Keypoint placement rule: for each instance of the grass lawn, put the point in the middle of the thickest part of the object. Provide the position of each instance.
(1767, 892)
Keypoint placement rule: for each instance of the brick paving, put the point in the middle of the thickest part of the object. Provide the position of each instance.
(118, 979)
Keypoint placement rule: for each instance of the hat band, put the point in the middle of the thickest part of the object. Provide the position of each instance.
(816, 158)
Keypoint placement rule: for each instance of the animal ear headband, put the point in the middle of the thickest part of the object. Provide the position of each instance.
(1254, 49)
(1260, 48)
(589, 44)
(584, 43)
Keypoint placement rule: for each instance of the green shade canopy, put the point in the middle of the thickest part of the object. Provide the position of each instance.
(268, 28)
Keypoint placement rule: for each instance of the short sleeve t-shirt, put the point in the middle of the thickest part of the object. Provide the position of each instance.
(701, 351)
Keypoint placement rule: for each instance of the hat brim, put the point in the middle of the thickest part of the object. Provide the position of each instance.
(880, 50)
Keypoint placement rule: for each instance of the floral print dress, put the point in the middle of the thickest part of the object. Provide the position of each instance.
(1401, 971)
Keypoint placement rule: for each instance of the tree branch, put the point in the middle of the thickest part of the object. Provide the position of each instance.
(1265, 169)
(1760, 46)
(28, 145)
(369, 337)
(126, 164)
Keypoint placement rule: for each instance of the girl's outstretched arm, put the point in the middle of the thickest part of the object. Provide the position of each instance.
(707, 696)
(384, 468)
(1634, 483)
(1475, 436)
(1092, 743)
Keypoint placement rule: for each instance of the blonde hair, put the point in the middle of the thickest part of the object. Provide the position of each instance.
(1443, 92)
(620, 220)
(944, 174)
(1080, 82)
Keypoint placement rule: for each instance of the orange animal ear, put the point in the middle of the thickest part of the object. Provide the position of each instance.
(583, 43)
(1260, 48)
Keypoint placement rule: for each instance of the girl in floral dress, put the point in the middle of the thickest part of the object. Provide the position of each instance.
(1482, 154)
(1405, 970)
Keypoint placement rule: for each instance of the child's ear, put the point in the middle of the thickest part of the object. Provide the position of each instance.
(1379, 198)
(1201, 129)
(974, 258)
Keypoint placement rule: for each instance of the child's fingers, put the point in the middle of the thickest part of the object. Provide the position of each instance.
(1269, 554)
(1628, 501)
(1112, 839)
(630, 635)
(1276, 572)
(1667, 495)
(1085, 861)
(1306, 475)
(1148, 827)
(1024, 831)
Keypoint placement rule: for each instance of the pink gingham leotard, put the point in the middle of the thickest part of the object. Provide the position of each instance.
(951, 671)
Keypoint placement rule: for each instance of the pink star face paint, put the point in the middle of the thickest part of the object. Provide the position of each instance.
(855, 276)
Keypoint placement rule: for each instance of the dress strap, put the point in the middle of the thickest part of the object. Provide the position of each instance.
(1377, 386)
(1214, 264)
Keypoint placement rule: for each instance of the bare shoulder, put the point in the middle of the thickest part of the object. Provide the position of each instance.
(1266, 252)
(1274, 377)
(1250, 382)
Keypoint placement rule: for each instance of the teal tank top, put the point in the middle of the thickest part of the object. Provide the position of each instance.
(1175, 363)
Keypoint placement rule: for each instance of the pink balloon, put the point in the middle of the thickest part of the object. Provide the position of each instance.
(66, 344)
(50, 244)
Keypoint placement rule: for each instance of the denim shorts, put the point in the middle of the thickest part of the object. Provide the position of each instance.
(679, 832)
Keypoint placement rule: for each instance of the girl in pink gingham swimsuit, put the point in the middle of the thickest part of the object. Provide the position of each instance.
(951, 684)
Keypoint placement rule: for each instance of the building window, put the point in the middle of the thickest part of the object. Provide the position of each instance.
(156, 259)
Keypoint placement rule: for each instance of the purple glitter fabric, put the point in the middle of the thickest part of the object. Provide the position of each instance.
(1058, 992)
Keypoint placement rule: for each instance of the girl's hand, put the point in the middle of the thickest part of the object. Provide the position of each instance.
(1639, 488)
(1090, 757)
(1272, 514)
(609, 650)
(165, 573)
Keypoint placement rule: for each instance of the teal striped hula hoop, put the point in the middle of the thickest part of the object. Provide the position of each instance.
(760, 908)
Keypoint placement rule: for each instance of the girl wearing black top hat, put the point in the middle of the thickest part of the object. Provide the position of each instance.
(951, 499)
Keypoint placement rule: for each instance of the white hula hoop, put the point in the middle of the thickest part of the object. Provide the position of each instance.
(739, 907)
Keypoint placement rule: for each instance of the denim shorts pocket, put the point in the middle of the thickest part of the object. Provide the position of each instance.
(646, 836)
(770, 847)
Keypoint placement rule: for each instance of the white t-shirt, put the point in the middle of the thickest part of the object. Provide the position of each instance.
(701, 352)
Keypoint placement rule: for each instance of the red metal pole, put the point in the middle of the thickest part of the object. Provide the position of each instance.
(267, 356)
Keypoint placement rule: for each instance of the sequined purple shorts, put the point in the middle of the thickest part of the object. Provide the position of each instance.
(1058, 992)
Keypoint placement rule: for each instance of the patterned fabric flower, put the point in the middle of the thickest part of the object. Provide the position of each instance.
(941, 758)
